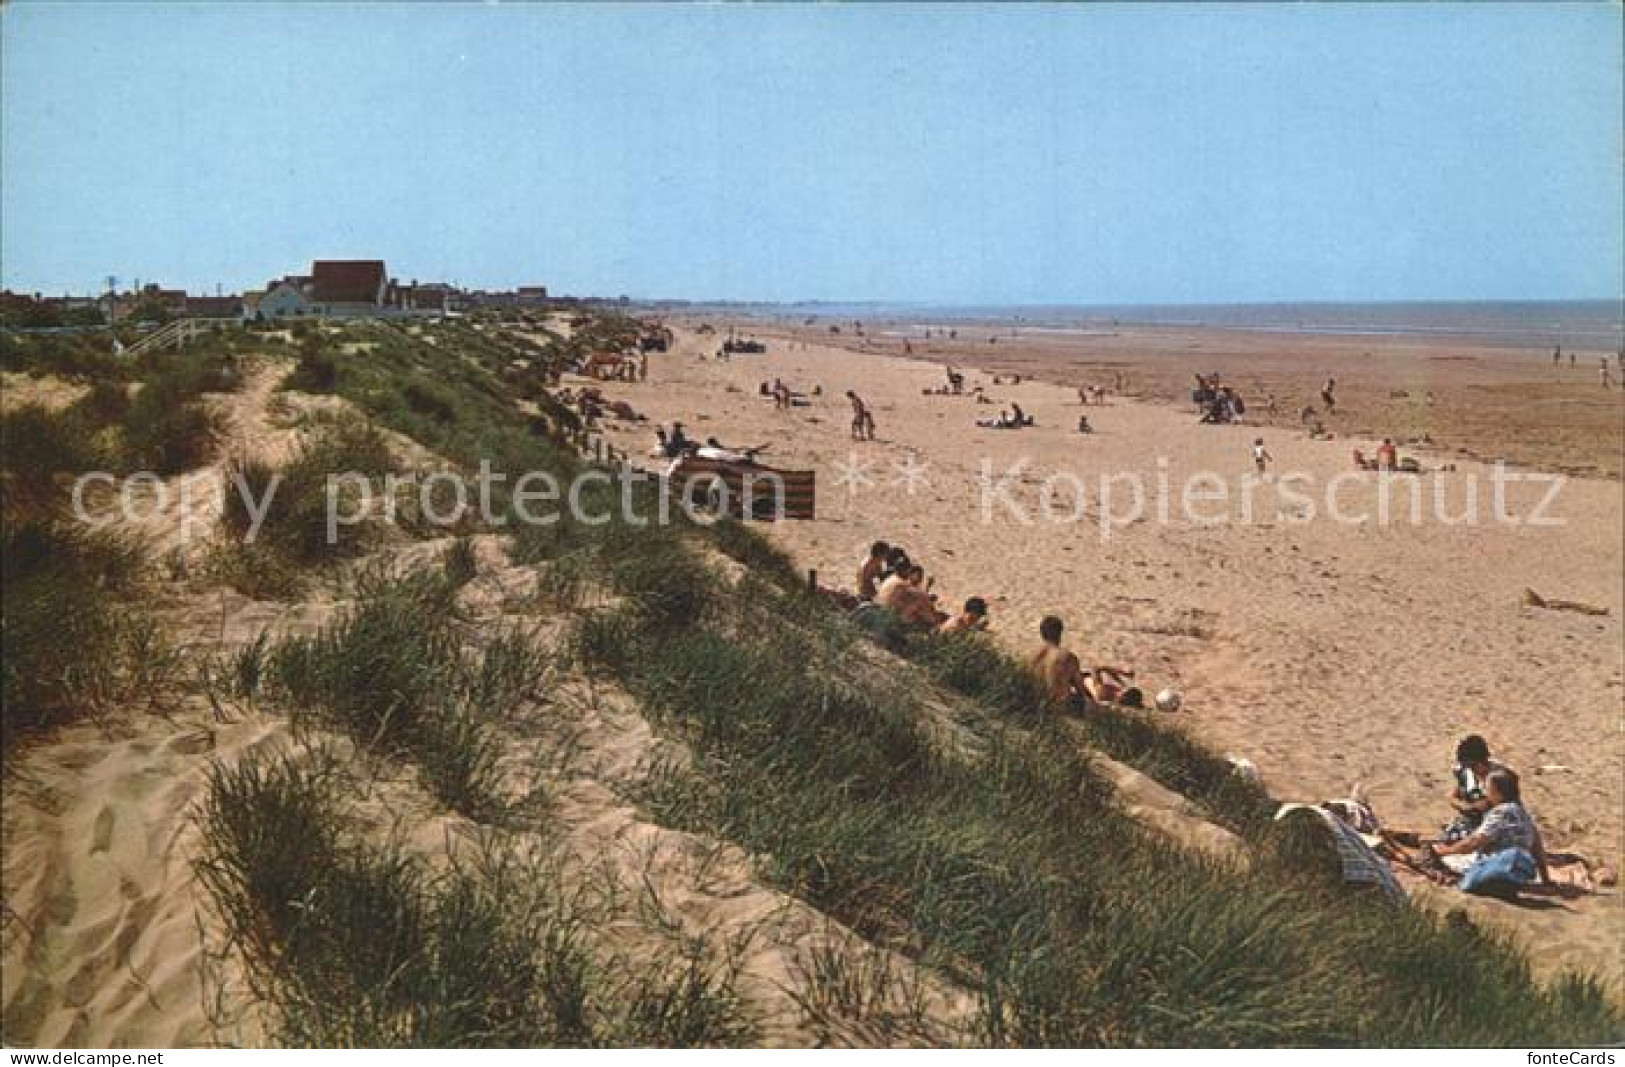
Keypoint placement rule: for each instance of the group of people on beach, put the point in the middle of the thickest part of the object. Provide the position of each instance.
(887, 578)
(1492, 842)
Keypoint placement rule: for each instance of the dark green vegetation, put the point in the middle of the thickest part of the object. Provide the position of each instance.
(77, 641)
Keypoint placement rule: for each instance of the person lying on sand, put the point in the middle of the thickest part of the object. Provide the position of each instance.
(721, 453)
(1058, 671)
(874, 566)
(973, 618)
(1469, 798)
(1506, 848)
(1114, 685)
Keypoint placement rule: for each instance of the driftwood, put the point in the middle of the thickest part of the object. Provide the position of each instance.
(1535, 600)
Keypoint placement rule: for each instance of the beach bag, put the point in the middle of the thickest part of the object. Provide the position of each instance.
(1500, 874)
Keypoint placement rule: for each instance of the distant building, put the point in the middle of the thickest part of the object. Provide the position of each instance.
(531, 296)
(349, 288)
(426, 298)
(285, 299)
(214, 307)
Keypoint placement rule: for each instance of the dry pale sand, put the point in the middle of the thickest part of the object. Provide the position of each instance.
(1329, 653)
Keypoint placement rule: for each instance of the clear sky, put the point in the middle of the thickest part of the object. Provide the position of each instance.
(965, 154)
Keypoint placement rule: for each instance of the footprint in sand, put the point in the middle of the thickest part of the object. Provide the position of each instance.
(101, 834)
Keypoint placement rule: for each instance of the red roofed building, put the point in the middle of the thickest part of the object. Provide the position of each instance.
(349, 287)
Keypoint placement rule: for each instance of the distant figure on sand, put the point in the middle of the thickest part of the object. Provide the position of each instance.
(1387, 455)
(973, 618)
(1328, 394)
(1057, 671)
(863, 423)
(1571, 359)
(1083, 424)
(1261, 456)
(1602, 370)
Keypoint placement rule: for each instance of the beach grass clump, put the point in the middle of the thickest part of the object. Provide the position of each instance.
(396, 674)
(77, 642)
(168, 427)
(748, 546)
(276, 520)
(352, 941)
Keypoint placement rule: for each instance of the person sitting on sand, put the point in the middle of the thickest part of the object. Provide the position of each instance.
(1328, 395)
(1114, 685)
(1058, 671)
(1083, 424)
(907, 596)
(897, 562)
(956, 381)
(1387, 455)
(873, 568)
(1021, 417)
(1468, 798)
(676, 443)
(973, 618)
(1507, 849)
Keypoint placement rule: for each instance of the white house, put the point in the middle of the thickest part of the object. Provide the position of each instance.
(283, 300)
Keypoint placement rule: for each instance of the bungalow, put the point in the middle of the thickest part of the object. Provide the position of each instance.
(427, 298)
(348, 288)
(283, 300)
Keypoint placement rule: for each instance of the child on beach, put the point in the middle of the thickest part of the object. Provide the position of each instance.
(1261, 456)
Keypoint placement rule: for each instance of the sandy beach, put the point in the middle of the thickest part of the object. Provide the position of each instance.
(1330, 653)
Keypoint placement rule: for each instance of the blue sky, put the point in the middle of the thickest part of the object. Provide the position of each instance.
(964, 154)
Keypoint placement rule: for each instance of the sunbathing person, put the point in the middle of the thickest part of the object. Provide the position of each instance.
(873, 568)
(721, 453)
(1058, 672)
(973, 618)
(1114, 685)
(907, 595)
(1469, 797)
(1507, 848)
